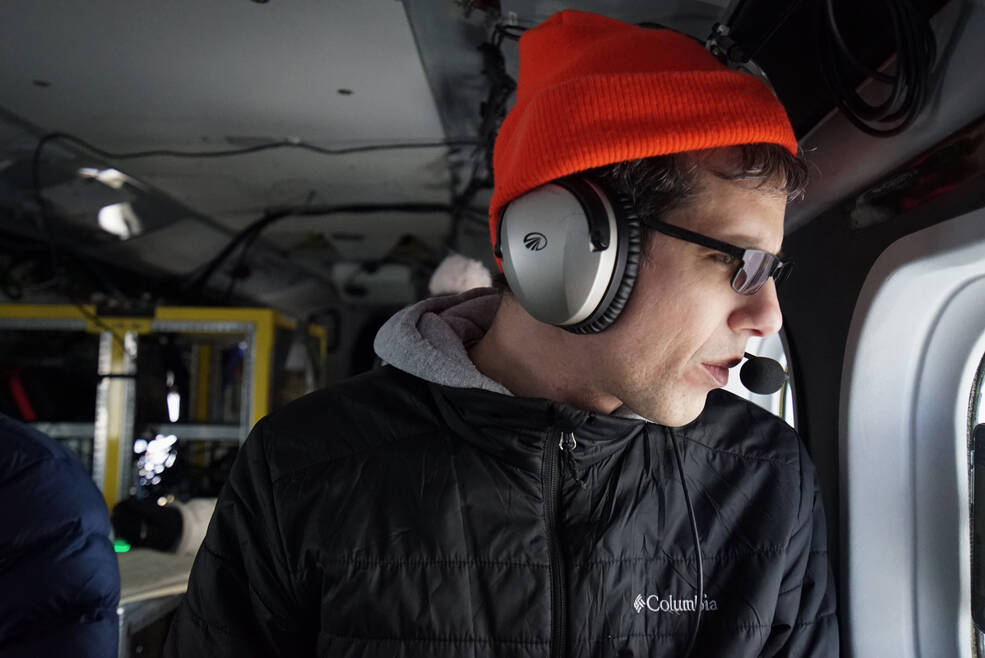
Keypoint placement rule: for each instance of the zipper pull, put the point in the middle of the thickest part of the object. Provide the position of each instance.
(567, 445)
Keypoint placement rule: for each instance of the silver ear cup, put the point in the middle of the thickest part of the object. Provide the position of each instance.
(548, 255)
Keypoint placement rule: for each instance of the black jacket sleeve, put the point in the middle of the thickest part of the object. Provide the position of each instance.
(242, 598)
(59, 579)
(805, 623)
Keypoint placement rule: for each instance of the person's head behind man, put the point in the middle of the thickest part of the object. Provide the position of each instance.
(649, 115)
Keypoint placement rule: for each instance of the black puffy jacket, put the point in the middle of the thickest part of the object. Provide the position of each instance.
(393, 517)
(59, 578)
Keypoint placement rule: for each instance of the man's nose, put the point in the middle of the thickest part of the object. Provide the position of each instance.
(759, 314)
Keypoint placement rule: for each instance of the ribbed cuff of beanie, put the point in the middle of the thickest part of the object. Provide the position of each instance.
(576, 125)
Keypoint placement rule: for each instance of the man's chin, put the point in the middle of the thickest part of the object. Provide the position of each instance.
(683, 412)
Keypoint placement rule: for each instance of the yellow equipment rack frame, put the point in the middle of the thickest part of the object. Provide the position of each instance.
(116, 395)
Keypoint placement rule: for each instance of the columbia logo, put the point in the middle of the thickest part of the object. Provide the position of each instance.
(534, 241)
(673, 605)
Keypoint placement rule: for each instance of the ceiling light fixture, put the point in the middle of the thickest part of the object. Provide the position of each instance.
(110, 177)
(120, 220)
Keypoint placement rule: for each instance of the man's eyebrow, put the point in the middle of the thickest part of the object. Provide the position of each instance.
(742, 240)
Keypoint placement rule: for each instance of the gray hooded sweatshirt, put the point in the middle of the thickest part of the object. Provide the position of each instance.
(431, 339)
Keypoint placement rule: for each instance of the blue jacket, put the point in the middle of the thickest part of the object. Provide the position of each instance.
(59, 578)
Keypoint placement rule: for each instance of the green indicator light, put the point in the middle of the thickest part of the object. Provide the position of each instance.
(121, 546)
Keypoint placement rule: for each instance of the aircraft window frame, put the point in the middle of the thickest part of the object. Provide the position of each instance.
(976, 416)
(905, 524)
(976, 407)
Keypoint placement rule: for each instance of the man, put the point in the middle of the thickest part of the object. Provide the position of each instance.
(510, 486)
(59, 578)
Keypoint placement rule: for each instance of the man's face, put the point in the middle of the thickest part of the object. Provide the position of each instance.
(684, 326)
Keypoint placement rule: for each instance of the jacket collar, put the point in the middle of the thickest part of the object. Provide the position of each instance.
(519, 429)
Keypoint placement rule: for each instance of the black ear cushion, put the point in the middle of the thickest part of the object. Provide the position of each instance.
(605, 316)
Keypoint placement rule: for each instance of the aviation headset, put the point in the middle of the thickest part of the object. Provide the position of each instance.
(571, 253)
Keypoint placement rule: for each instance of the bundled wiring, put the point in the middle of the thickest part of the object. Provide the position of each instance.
(916, 50)
(501, 88)
(52, 247)
(504, 31)
(248, 236)
(491, 113)
(286, 143)
(39, 200)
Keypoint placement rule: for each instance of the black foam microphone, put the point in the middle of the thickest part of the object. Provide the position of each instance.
(762, 375)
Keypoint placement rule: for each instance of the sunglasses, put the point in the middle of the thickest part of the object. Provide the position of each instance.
(755, 265)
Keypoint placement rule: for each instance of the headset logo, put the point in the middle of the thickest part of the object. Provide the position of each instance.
(535, 241)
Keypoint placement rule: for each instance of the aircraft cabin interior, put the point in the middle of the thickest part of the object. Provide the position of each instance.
(208, 209)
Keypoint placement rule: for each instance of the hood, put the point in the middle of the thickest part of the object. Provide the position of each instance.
(430, 339)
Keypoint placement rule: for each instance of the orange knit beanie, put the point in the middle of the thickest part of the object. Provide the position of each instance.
(594, 91)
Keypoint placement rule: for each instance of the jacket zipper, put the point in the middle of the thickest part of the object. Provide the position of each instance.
(552, 499)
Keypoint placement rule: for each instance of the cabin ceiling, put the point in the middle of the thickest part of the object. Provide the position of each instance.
(223, 75)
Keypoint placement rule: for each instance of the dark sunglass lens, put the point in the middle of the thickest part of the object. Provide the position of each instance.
(756, 268)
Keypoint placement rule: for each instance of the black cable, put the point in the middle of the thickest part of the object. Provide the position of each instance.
(39, 199)
(776, 26)
(52, 248)
(697, 546)
(461, 204)
(96, 320)
(491, 113)
(916, 50)
(501, 87)
(236, 273)
(502, 31)
(240, 269)
(859, 107)
(251, 232)
(287, 143)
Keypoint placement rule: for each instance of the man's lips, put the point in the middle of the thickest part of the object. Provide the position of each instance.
(719, 369)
